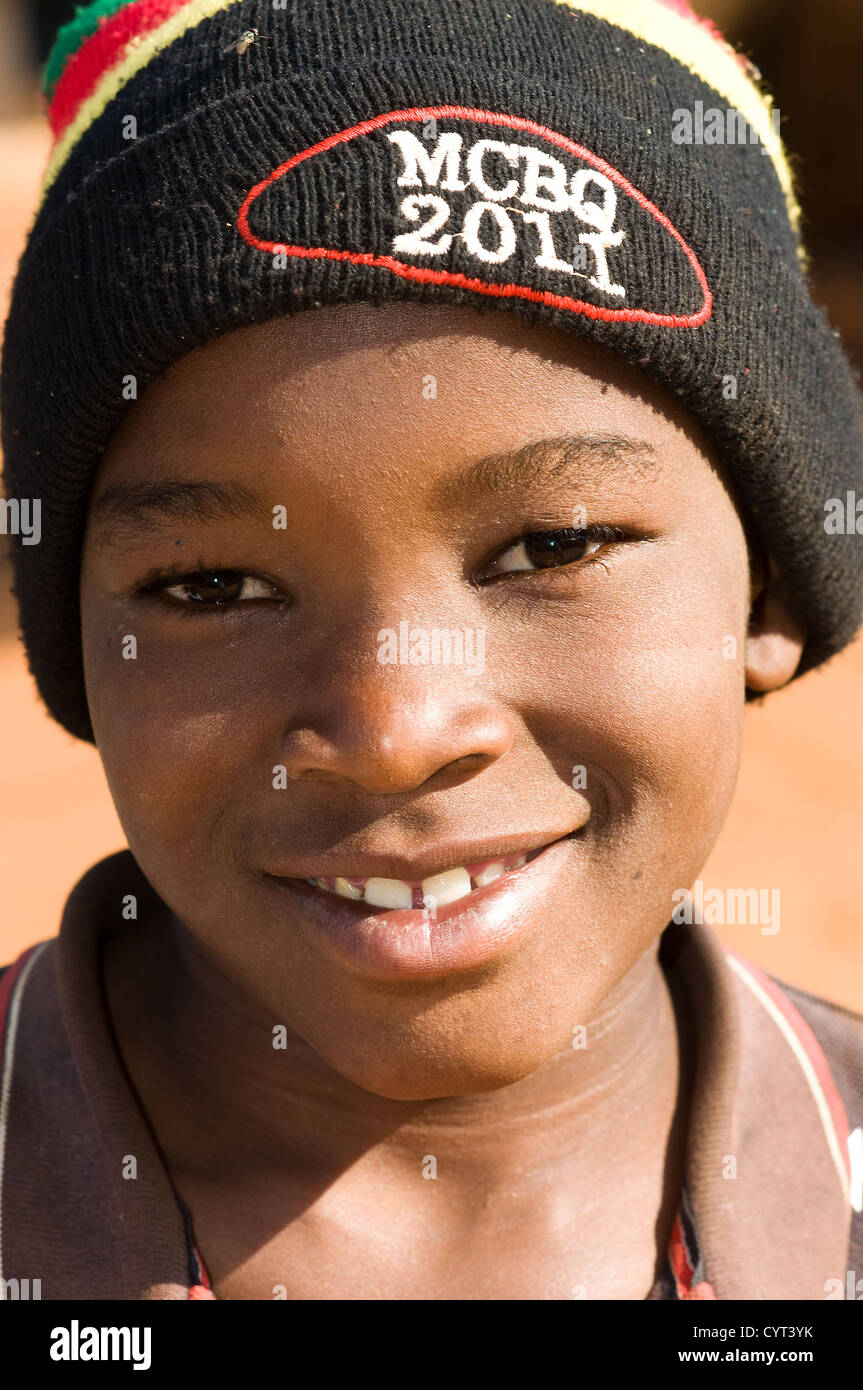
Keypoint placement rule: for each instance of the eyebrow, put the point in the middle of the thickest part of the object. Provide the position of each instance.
(124, 511)
(549, 461)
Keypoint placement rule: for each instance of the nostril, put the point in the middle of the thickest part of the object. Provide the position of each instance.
(391, 746)
(459, 769)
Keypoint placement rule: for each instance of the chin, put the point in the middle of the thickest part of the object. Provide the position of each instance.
(439, 1074)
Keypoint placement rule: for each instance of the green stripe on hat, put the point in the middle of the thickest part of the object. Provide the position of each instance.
(71, 36)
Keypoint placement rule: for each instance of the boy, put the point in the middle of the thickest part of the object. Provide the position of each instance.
(415, 638)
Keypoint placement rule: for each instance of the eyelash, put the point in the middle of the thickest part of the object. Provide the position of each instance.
(604, 534)
(158, 581)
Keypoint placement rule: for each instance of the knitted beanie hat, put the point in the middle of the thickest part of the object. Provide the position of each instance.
(608, 167)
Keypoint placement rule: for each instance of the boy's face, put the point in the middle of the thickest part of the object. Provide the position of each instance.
(594, 706)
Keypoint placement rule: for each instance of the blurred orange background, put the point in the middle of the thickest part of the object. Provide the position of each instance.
(797, 819)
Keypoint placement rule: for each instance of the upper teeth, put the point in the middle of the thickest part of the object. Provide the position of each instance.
(448, 887)
(436, 891)
(388, 892)
(346, 889)
(490, 873)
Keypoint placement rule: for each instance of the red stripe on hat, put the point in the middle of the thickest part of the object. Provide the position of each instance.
(685, 10)
(681, 7)
(99, 53)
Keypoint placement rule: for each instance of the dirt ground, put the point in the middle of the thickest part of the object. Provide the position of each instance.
(796, 823)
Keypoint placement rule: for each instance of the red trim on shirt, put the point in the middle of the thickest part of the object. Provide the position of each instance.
(682, 1266)
(813, 1050)
(203, 1288)
(7, 986)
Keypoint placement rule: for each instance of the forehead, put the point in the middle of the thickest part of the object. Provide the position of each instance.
(377, 425)
(435, 382)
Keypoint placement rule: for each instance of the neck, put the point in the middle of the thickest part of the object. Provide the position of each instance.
(228, 1104)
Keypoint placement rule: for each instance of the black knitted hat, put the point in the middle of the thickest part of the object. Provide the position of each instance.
(608, 167)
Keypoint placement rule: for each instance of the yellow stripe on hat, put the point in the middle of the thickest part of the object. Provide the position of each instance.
(708, 57)
(138, 54)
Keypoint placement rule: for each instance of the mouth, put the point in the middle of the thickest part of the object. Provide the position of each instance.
(431, 892)
(450, 919)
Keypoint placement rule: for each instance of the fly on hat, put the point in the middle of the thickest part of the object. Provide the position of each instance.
(219, 162)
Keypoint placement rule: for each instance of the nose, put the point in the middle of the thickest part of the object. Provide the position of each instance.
(393, 728)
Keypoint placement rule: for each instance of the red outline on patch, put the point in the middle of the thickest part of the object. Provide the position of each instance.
(444, 277)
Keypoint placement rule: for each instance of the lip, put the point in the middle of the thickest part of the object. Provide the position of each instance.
(404, 943)
(434, 859)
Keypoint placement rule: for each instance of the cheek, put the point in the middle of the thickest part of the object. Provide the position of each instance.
(182, 732)
(649, 699)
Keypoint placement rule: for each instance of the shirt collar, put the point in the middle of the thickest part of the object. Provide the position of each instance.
(764, 1210)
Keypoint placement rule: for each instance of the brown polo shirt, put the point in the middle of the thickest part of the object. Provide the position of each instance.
(773, 1188)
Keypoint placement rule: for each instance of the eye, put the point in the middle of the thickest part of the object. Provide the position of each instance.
(212, 588)
(542, 550)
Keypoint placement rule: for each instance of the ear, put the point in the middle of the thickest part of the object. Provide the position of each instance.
(775, 640)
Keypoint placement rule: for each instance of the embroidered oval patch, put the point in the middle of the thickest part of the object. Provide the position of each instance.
(485, 201)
